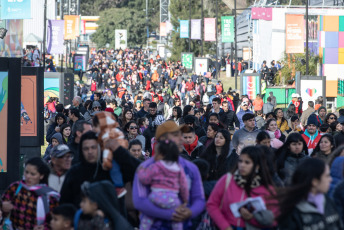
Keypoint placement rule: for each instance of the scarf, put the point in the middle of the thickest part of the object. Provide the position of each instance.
(191, 147)
(318, 200)
(241, 182)
(311, 138)
(44, 193)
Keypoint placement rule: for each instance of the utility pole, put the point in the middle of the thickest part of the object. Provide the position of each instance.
(307, 59)
(147, 22)
(44, 32)
(235, 41)
(217, 50)
(202, 25)
(189, 25)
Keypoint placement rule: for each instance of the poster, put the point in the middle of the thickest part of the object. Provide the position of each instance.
(294, 27)
(196, 29)
(120, 39)
(28, 110)
(51, 88)
(79, 63)
(163, 31)
(3, 120)
(15, 9)
(12, 44)
(71, 27)
(250, 86)
(261, 13)
(184, 28)
(187, 60)
(55, 38)
(227, 29)
(310, 90)
(209, 29)
(201, 66)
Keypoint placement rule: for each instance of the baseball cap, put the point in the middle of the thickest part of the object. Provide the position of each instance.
(169, 127)
(59, 151)
(244, 103)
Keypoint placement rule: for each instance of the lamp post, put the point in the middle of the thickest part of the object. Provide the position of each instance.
(147, 22)
(189, 25)
(235, 43)
(217, 52)
(44, 32)
(307, 59)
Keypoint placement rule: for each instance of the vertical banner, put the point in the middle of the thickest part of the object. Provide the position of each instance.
(15, 9)
(209, 29)
(250, 86)
(196, 29)
(3, 120)
(12, 44)
(28, 108)
(120, 39)
(184, 28)
(163, 31)
(294, 28)
(71, 27)
(83, 27)
(187, 60)
(79, 63)
(55, 37)
(227, 29)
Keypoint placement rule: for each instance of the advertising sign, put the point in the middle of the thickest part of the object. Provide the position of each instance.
(196, 29)
(71, 27)
(163, 31)
(227, 29)
(51, 88)
(209, 29)
(55, 37)
(28, 108)
(294, 30)
(250, 85)
(3, 120)
(187, 60)
(15, 9)
(120, 39)
(79, 63)
(311, 87)
(201, 66)
(184, 28)
(12, 44)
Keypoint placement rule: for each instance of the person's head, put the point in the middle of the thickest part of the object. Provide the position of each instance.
(176, 102)
(59, 108)
(143, 122)
(295, 144)
(311, 104)
(271, 125)
(169, 130)
(131, 128)
(279, 113)
(258, 96)
(216, 103)
(312, 124)
(156, 98)
(80, 127)
(96, 106)
(77, 101)
(214, 118)
(244, 105)
(61, 158)
(322, 112)
(341, 112)
(212, 130)
(177, 112)
(249, 121)
(263, 138)
(225, 106)
(56, 139)
(88, 104)
(60, 119)
(189, 136)
(36, 172)
(65, 130)
(74, 114)
(188, 110)
(270, 115)
(63, 217)
(97, 96)
(330, 117)
(268, 99)
(326, 144)
(325, 128)
(222, 138)
(135, 148)
(153, 108)
(166, 150)
(295, 121)
(127, 115)
(146, 103)
(88, 147)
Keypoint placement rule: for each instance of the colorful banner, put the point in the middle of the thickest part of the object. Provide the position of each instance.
(184, 28)
(209, 29)
(15, 9)
(250, 86)
(187, 60)
(51, 88)
(71, 27)
(163, 31)
(262, 13)
(121, 39)
(3, 120)
(55, 37)
(79, 63)
(294, 31)
(12, 44)
(83, 27)
(196, 29)
(28, 111)
(227, 29)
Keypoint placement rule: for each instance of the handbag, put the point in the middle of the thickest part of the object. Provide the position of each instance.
(206, 222)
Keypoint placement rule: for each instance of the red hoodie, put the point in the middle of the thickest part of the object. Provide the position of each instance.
(191, 147)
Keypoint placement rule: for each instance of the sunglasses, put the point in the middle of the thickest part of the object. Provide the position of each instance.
(132, 127)
(332, 118)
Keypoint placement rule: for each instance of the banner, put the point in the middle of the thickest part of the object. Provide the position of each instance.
(120, 39)
(55, 37)
(71, 27)
(15, 9)
(209, 29)
(187, 60)
(294, 30)
(196, 29)
(201, 66)
(79, 63)
(12, 44)
(184, 28)
(28, 110)
(227, 29)
(3, 120)
(163, 31)
(262, 13)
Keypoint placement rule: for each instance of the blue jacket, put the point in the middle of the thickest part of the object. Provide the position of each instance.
(336, 174)
(240, 114)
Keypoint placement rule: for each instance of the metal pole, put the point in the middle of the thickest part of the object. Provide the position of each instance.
(189, 25)
(217, 49)
(235, 43)
(307, 59)
(44, 32)
(202, 24)
(147, 22)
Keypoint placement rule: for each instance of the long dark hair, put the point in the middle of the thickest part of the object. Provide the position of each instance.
(328, 117)
(283, 119)
(330, 138)
(258, 157)
(268, 123)
(186, 110)
(168, 149)
(58, 116)
(301, 184)
(210, 152)
(42, 168)
(179, 112)
(283, 152)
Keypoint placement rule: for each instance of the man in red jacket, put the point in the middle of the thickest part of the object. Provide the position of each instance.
(189, 85)
(311, 134)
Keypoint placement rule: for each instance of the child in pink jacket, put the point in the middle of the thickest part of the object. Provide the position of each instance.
(167, 181)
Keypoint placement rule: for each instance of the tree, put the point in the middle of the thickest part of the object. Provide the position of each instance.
(120, 18)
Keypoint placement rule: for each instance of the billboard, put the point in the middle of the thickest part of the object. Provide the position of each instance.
(12, 9)
(12, 44)
(187, 60)
(71, 27)
(196, 29)
(311, 87)
(250, 85)
(79, 63)
(201, 65)
(209, 29)
(3, 120)
(184, 28)
(51, 88)
(121, 39)
(28, 108)
(294, 31)
(55, 37)
(227, 29)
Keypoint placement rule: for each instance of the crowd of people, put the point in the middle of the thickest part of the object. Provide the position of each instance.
(150, 147)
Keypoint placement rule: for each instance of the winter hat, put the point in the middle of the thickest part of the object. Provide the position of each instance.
(312, 120)
(322, 107)
(244, 103)
(96, 104)
(159, 120)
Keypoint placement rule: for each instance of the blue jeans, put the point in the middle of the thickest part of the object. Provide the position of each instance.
(84, 97)
(116, 175)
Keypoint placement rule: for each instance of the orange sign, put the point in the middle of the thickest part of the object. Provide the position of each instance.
(294, 30)
(72, 27)
(163, 31)
(28, 113)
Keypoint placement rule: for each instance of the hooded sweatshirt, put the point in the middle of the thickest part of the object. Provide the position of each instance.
(193, 150)
(58, 137)
(243, 137)
(311, 141)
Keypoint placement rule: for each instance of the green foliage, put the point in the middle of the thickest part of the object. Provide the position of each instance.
(293, 64)
(122, 18)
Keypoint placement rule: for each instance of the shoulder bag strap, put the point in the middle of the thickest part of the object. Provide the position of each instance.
(228, 181)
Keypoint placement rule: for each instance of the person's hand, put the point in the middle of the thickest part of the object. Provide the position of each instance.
(57, 129)
(246, 215)
(112, 144)
(181, 213)
(7, 206)
(100, 213)
(38, 227)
